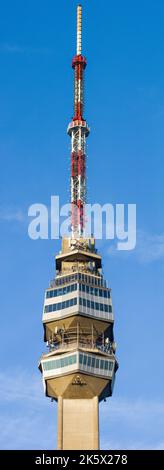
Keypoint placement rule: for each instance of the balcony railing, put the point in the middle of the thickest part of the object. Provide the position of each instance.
(87, 275)
(84, 338)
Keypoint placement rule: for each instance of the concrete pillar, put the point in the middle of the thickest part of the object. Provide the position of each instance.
(78, 424)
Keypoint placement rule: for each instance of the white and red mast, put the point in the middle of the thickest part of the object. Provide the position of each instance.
(78, 131)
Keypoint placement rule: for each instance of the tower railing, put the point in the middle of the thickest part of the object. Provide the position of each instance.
(74, 274)
(78, 337)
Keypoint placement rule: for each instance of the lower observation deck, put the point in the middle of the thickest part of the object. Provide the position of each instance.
(77, 360)
(83, 373)
(77, 356)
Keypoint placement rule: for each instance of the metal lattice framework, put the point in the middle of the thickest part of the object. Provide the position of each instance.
(78, 131)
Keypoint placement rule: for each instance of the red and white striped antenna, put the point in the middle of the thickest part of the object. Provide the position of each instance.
(78, 131)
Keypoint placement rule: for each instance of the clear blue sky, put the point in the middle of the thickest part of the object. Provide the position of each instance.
(123, 42)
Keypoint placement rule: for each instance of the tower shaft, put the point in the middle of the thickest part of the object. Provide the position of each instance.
(83, 411)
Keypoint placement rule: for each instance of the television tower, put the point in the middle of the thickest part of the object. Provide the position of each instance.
(79, 368)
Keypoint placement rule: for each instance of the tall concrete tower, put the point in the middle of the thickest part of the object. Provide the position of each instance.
(79, 368)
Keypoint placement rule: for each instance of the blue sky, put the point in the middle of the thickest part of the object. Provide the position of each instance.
(123, 42)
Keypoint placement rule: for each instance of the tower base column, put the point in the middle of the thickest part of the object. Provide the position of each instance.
(78, 424)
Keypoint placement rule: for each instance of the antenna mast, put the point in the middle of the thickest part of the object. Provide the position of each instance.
(78, 131)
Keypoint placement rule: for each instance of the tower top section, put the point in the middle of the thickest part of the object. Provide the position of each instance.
(79, 30)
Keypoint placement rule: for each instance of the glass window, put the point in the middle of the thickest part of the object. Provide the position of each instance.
(106, 365)
(69, 360)
(87, 289)
(74, 359)
(61, 290)
(102, 364)
(93, 362)
(62, 362)
(71, 302)
(85, 360)
(89, 361)
(83, 287)
(84, 302)
(81, 358)
(105, 294)
(97, 365)
(66, 361)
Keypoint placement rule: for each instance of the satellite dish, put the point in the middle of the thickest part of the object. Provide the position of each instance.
(114, 346)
